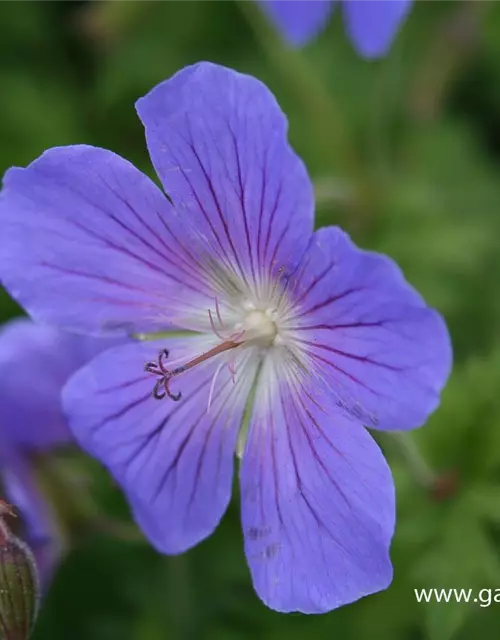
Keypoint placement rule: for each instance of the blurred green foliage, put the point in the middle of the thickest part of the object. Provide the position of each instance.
(405, 154)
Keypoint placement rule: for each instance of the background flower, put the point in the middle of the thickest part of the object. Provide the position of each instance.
(372, 25)
(35, 362)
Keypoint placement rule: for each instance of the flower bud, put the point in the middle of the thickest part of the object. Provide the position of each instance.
(19, 588)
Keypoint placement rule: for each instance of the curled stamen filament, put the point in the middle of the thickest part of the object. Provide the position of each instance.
(161, 388)
(219, 318)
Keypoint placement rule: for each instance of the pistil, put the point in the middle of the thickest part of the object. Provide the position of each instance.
(159, 368)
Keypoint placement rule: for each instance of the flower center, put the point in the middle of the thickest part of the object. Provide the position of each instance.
(258, 328)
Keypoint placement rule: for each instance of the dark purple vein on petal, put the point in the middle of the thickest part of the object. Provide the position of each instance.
(330, 300)
(188, 269)
(132, 232)
(261, 208)
(156, 432)
(316, 280)
(271, 221)
(352, 356)
(216, 202)
(241, 197)
(351, 377)
(319, 521)
(173, 465)
(130, 254)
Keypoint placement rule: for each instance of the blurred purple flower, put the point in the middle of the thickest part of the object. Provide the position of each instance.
(372, 24)
(39, 529)
(35, 363)
(293, 339)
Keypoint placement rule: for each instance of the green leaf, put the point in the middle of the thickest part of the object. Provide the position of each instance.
(485, 501)
(464, 435)
(463, 556)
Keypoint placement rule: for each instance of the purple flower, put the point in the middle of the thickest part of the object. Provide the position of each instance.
(279, 342)
(371, 24)
(35, 363)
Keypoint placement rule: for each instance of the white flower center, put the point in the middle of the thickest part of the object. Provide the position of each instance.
(257, 325)
(260, 328)
(239, 323)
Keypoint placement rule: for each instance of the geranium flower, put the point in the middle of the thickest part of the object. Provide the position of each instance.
(371, 24)
(35, 363)
(280, 343)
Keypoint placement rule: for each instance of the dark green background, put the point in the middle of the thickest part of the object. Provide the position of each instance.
(405, 154)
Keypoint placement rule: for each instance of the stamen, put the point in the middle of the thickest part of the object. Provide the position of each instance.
(285, 279)
(232, 370)
(217, 311)
(212, 324)
(219, 318)
(276, 284)
(212, 386)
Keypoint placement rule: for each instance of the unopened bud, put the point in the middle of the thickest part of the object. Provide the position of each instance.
(19, 589)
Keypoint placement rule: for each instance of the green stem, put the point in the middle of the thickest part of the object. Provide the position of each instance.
(123, 531)
(180, 615)
(324, 119)
(415, 463)
(453, 43)
(329, 191)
